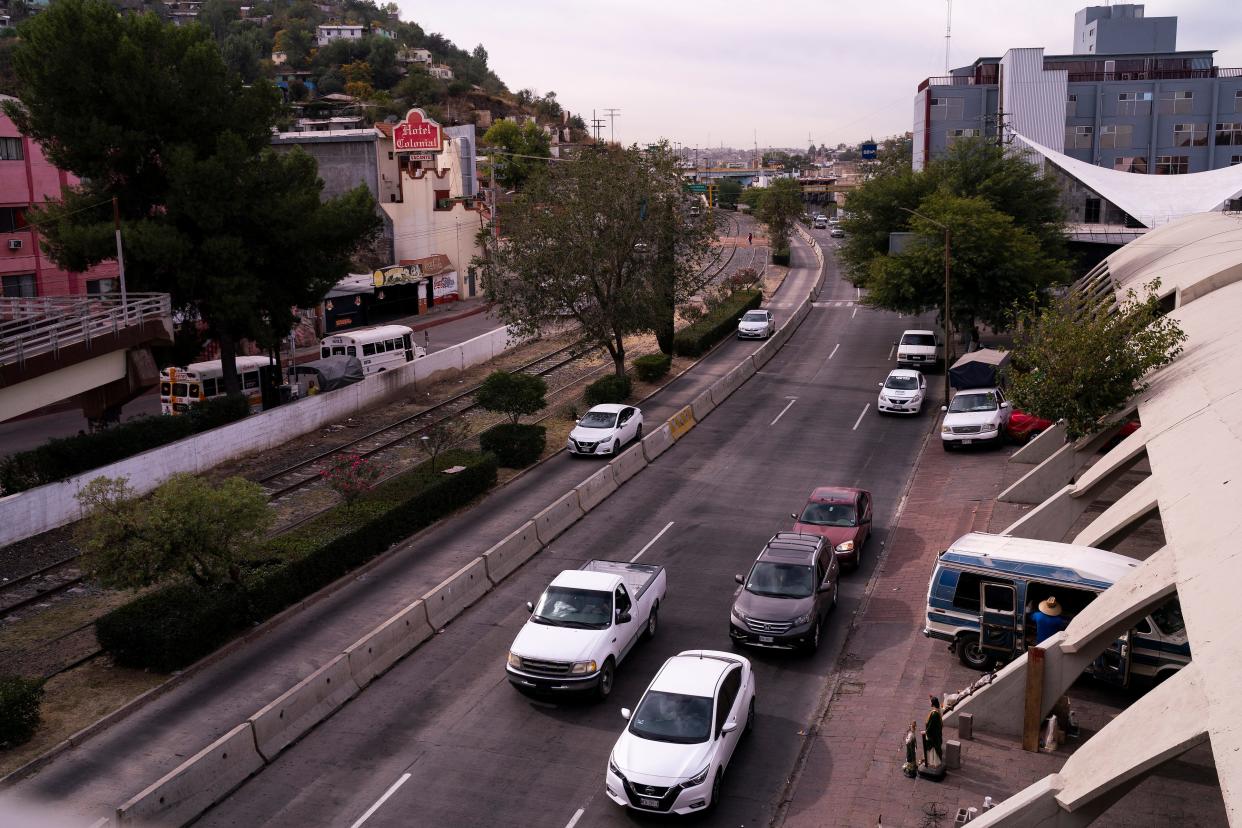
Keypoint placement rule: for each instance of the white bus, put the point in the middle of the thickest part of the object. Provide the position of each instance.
(182, 387)
(378, 349)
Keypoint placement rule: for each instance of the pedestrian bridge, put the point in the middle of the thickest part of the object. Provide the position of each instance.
(57, 347)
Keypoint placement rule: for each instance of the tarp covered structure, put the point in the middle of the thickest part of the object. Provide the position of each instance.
(331, 373)
(979, 369)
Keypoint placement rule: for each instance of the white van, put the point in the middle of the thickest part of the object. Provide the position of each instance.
(984, 586)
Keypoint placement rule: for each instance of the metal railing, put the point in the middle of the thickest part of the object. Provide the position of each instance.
(30, 326)
(1096, 77)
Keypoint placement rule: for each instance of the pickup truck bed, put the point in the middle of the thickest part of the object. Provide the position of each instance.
(637, 577)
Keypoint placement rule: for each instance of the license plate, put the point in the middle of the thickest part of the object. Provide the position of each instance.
(765, 639)
(966, 442)
(648, 803)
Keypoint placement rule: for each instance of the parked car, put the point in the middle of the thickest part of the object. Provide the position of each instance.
(683, 734)
(837, 232)
(1023, 427)
(605, 429)
(842, 517)
(786, 597)
(976, 415)
(902, 392)
(756, 324)
(584, 625)
(918, 348)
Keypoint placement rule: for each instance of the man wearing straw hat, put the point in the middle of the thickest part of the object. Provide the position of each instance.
(1048, 620)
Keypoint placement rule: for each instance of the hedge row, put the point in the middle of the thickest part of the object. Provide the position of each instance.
(19, 709)
(781, 257)
(63, 457)
(176, 625)
(516, 445)
(651, 367)
(609, 389)
(698, 338)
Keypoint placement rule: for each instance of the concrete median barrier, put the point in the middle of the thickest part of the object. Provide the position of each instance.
(762, 354)
(385, 645)
(450, 598)
(558, 517)
(303, 706)
(730, 382)
(679, 424)
(628, 463)
(596, 488)
(519, 547)
(702, 405)
(206, 777)
(657, 442)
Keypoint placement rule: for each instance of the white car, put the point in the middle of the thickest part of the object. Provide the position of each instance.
(918, 348)
(605, 429)
(821, 223)
(680, 739)
(976, 415)
(756, 324)
(902, 392)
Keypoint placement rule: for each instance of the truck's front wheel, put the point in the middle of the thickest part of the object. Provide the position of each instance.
(604, 689)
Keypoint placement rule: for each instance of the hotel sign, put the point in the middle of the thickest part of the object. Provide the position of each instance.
(417, 133)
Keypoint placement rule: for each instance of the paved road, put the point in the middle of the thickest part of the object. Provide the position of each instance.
(462, 748)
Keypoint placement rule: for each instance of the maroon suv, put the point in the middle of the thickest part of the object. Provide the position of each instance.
(842, 517)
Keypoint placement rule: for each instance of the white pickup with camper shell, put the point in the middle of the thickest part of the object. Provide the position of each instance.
(585, 623)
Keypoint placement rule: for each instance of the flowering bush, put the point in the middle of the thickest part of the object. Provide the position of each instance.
(351, 475)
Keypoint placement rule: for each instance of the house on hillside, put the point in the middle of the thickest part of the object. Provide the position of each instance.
(439, 70)
(328, 33)
(414, 56)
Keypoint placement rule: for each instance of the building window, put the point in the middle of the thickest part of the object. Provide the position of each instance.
(1177, 101)
(954, 134)
(1237, 101)
(20, 285)
(443, 202)
(1190, 135)
(1091, 213)
(1116, 136)
(12, 219)
(1229, 134)
(947, 109)
(1133, 103)
(11, 149)
(1071, 105)
(1172, 164)
(97, 286)
(1078, 137)
(1131, 163)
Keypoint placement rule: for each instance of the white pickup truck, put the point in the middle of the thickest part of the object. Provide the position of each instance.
(584, 624)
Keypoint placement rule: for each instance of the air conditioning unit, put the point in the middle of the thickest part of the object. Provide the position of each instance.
(15, 244)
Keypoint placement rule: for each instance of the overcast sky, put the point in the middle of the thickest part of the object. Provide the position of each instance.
(706, 71)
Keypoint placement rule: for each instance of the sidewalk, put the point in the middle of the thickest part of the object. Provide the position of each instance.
(852, 775)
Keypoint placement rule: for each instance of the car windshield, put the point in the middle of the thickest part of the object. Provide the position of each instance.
(964, 403)
(828, 514)
(598, 419)
(902, 383)
(673, 717)
(755, 316)
(587, 609)
(926, 340)
(780, 580)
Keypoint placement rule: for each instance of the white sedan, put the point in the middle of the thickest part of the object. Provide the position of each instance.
(902, 392)
(681, 737)
(605, 429)
(756, 324)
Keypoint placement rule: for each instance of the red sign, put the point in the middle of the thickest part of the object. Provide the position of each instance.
(417, 132)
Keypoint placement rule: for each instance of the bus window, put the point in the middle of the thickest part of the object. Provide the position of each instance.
(250, 379)
(392, 345)
(165, 387)
(338, 350)
(368, 349)
(193, 390)
(209, 388)
(324, 353)
(352, 351)
(179, 389)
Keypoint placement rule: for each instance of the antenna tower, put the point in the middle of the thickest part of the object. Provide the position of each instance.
(948, 32)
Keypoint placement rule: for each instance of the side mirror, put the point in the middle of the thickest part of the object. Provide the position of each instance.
(944, 408)
(728, 727)
(739, 579)
(625, 713)
(793, 515)
(880, 384)
(1005, 404)
(623, 617)
(530, 606)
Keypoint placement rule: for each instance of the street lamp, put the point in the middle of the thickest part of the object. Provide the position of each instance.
(945, 317)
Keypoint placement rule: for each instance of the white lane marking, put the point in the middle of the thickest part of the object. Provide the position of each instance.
(855, 313)
(834, 350)
(860, 416)
(101, 823)
(392, 790)
(659, 535)
(574, 820)
(783, 410)
(890, 351)
(858, 293)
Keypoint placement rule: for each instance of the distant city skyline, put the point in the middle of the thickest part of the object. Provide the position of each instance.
(795, 72)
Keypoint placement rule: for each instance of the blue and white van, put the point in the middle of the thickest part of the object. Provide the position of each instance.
(984, 587)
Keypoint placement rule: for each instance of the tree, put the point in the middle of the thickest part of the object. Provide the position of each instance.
(443, 435)
(728, 192)
(1078, 360)
(780, 205)
(242, 53)
(480, 56)
(520, 151)
(127, 542)
(513, 395)
(217, 16)
(604, 240)
(297, 41)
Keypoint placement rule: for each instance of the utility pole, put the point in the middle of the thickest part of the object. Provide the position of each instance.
(597, 124)
(612, 114)
(948, 31)
(948, 354)
(120, 259)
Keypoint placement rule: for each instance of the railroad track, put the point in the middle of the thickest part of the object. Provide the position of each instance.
(39, 585)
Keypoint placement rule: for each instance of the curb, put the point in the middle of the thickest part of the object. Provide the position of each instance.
(452, 317)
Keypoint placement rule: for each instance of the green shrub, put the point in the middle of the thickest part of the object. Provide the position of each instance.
(176, 625)
(653, 366)
(19, 709)
(609, 389)
(63, 457)
(516, 445)
(781, 257)
(512, 394)
(699, 337)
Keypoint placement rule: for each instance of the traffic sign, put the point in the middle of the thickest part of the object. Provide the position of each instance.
(868, 151)
(697, 188)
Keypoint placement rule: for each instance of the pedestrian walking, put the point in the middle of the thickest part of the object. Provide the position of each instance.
(750, 238)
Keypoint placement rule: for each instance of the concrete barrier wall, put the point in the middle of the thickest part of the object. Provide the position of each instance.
(191, 788)
(596, 488)
(763, 354)
(302, 706)
(657, 442)
(451, 596)
(702, 405)
(37, 510)
(519, 547)
(730, 382)
(627, 464)
(558, 517)
(679, 424)
(381, 648)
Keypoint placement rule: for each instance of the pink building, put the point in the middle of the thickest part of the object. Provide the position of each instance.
(26, 179)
